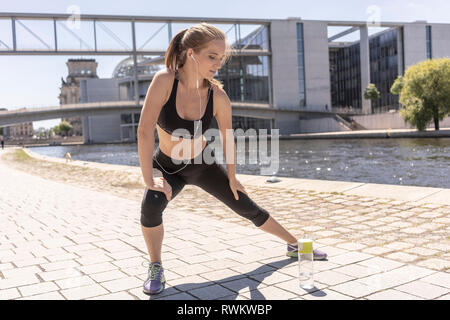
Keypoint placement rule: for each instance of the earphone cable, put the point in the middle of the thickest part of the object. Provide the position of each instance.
(198, 121)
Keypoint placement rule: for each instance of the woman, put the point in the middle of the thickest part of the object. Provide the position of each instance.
(176, 98)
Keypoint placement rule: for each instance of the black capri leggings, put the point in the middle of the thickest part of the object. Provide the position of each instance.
(212, 178)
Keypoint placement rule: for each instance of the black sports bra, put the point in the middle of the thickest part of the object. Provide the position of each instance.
(169, 120)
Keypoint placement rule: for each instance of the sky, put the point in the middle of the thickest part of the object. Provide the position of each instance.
(35, 81)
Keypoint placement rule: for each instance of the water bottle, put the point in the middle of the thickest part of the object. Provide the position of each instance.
(305, 263)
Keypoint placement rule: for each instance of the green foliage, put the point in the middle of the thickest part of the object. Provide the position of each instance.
(57, 130)
(425, 92)
(64, 127)
(371, 93)
(397, 85)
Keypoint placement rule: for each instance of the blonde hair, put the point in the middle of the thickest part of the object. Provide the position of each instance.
(197, 38)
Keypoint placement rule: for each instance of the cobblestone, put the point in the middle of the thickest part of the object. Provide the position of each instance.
(80, 239)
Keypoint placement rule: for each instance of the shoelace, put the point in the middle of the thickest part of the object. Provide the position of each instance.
(153, 269)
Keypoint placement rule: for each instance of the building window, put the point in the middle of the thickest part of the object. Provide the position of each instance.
(127, 132)
(246, 78)
(136, 117)
(301, 65)
(429, 53)
(246, 123)
(346, 76)
(126, 118)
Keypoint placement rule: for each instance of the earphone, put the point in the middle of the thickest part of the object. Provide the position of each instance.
(198, 121)
(192, 56)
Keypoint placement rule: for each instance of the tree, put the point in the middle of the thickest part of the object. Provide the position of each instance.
(424, 92)
(397, 86)
(56, 130)
(65, 127)
(371, 93)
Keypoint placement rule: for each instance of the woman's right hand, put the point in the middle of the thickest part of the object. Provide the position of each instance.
(161, 184)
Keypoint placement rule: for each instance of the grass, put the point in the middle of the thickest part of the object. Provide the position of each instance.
(19, 155)
(67, 173)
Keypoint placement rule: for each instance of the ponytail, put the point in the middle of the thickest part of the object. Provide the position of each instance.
(173, 59)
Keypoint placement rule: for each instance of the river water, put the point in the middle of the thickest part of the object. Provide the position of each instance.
(413, 162)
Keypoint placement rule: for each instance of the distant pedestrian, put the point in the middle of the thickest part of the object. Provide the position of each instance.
(3, 144)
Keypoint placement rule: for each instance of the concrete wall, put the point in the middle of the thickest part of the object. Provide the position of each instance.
(320, 125)
(391, 121)
(287, 123)
(415, 43)
(284, 64)
(364, 54)
(317, 65)
(97, 129)
(400, 51)
(285, 74)
(440, 41)
(96, 90)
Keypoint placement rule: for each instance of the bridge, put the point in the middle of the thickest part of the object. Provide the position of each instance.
(84, 34)
(256, 110)
(87, 34)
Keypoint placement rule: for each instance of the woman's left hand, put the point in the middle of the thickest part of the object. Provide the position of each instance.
(235, 185)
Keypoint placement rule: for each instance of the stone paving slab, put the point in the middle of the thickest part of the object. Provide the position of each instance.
(422, 195)
(442, 196)
(61, 241)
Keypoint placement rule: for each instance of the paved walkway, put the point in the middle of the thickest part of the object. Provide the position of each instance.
(379, 133)
(61, 241)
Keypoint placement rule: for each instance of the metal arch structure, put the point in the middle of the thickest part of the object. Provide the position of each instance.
(17, 19)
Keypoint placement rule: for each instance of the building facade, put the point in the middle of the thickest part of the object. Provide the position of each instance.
(296, 77)
(70, 88)
(17, 131)
(345, 72)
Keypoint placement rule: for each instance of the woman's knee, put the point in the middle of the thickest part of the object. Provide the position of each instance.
(152, 207)
(260, 218)
(248, 209)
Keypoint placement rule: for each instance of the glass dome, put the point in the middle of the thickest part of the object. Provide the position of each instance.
(145, 66)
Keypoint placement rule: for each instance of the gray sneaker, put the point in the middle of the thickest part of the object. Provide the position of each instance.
(155, 281)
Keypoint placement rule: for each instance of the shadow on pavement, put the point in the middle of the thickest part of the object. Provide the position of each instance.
(250, 280)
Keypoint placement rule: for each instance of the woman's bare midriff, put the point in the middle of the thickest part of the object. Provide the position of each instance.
(166, 145)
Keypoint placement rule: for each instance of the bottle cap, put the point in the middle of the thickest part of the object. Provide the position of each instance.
(305, 246)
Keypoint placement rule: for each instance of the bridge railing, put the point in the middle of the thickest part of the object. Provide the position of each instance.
(349, 110)
(73, 106)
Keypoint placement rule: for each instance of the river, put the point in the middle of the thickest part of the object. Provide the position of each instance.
(413, 162)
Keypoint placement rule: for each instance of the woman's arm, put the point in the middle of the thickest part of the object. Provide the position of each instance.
(154, 100)
(224, 120)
